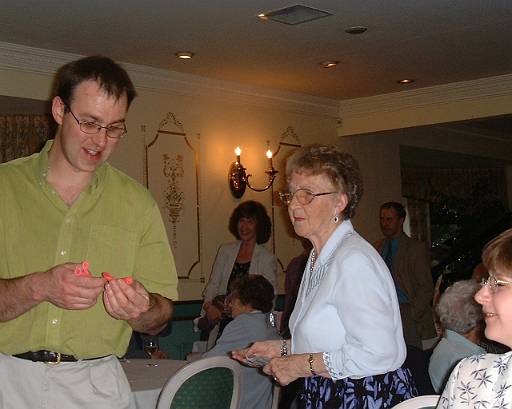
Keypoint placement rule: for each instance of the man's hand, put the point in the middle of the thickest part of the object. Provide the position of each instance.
(63, 288)
(59, 286)
(145, 312)
(126, 302)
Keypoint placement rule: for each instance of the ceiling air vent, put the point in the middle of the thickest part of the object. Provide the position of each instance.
(293, 15)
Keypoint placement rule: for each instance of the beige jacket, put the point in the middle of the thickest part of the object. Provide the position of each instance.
(411, 270)
(263, 262)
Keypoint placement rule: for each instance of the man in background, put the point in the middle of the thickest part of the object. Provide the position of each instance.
(66, 216)
(409, 263)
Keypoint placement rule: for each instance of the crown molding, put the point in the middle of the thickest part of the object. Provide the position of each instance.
(474, 90)
(232, 92)
(32, 60)
(46, 62)
(41, 61)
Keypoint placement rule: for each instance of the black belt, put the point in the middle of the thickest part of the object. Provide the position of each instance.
(47, 356)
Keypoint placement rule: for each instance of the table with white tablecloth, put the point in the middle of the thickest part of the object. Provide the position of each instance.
(147, 377)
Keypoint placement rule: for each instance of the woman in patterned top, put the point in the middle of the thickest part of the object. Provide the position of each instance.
(485, 381)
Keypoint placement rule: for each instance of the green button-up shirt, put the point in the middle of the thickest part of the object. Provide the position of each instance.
(115, 225)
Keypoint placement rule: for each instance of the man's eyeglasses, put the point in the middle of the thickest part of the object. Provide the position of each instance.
(91, 128)
(494, 283)
(303, 196)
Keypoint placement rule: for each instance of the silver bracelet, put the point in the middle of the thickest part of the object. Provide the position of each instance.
(284, 348)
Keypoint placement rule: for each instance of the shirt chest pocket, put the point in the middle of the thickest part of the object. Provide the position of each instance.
(111, 249)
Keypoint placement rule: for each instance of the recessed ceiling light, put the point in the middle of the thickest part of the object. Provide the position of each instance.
(329, 64)
(406, 81)
(184, 55)
(356, 30)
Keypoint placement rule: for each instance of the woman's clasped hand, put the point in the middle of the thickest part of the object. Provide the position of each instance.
(284, 369)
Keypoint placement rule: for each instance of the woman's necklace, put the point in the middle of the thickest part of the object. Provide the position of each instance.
(313, 259)
(310, 279)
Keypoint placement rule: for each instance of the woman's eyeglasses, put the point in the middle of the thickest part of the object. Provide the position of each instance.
(303, 196)
(494, 283)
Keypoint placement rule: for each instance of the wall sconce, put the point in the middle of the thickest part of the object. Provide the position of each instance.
(238, 179)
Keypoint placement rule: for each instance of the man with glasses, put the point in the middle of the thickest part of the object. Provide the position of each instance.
(67, 216)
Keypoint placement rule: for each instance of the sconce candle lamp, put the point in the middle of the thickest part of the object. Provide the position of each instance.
(238, 179)
(269, 156)
(236, 176)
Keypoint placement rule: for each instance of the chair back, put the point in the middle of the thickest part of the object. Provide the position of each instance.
(419, 402)
(209, 383)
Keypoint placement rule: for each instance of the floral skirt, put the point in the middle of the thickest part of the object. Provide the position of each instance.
(378, 391)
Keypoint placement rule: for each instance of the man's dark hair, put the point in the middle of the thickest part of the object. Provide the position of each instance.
(252, 210)
(254, 290)
(112, 78)
(399, 209)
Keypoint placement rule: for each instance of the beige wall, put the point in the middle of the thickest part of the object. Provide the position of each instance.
(224, 115)
(484, 97)
(373, 128)
(221, 127)
(379, 158)
(221, 123)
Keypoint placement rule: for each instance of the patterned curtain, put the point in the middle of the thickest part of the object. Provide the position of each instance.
(419, 219)
(23, 135)
(433, 184)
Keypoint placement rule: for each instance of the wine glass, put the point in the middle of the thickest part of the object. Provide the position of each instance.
(150, 346)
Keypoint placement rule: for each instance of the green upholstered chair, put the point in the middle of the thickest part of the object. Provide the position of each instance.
(210, 383)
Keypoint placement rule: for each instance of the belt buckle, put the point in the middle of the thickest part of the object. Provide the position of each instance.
(56, 362)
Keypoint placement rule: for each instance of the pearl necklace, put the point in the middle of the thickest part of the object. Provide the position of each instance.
(313, 259)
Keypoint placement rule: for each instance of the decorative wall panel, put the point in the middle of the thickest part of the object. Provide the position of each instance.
(172, 168)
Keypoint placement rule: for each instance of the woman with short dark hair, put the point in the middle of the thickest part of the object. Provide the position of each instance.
(251, 301)
(251, 210)
(251, 226)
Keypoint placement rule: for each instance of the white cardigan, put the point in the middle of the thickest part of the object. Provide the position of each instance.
(347, 308)
(263, 262)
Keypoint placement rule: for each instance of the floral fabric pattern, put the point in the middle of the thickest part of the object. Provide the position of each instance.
(480, 382)
(372, 392)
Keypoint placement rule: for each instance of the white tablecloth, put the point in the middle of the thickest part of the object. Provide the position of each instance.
(147, 377)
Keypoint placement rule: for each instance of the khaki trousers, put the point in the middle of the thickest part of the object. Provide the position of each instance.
(90, 384)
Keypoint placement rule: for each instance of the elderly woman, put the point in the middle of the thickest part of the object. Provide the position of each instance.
(346, 333)
(461, 318)
(485, 381)
(251, 226)
(251, 301)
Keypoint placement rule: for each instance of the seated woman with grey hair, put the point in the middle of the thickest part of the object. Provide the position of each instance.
(462, 320)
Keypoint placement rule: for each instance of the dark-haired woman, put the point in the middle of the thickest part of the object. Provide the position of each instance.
(251, 226)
